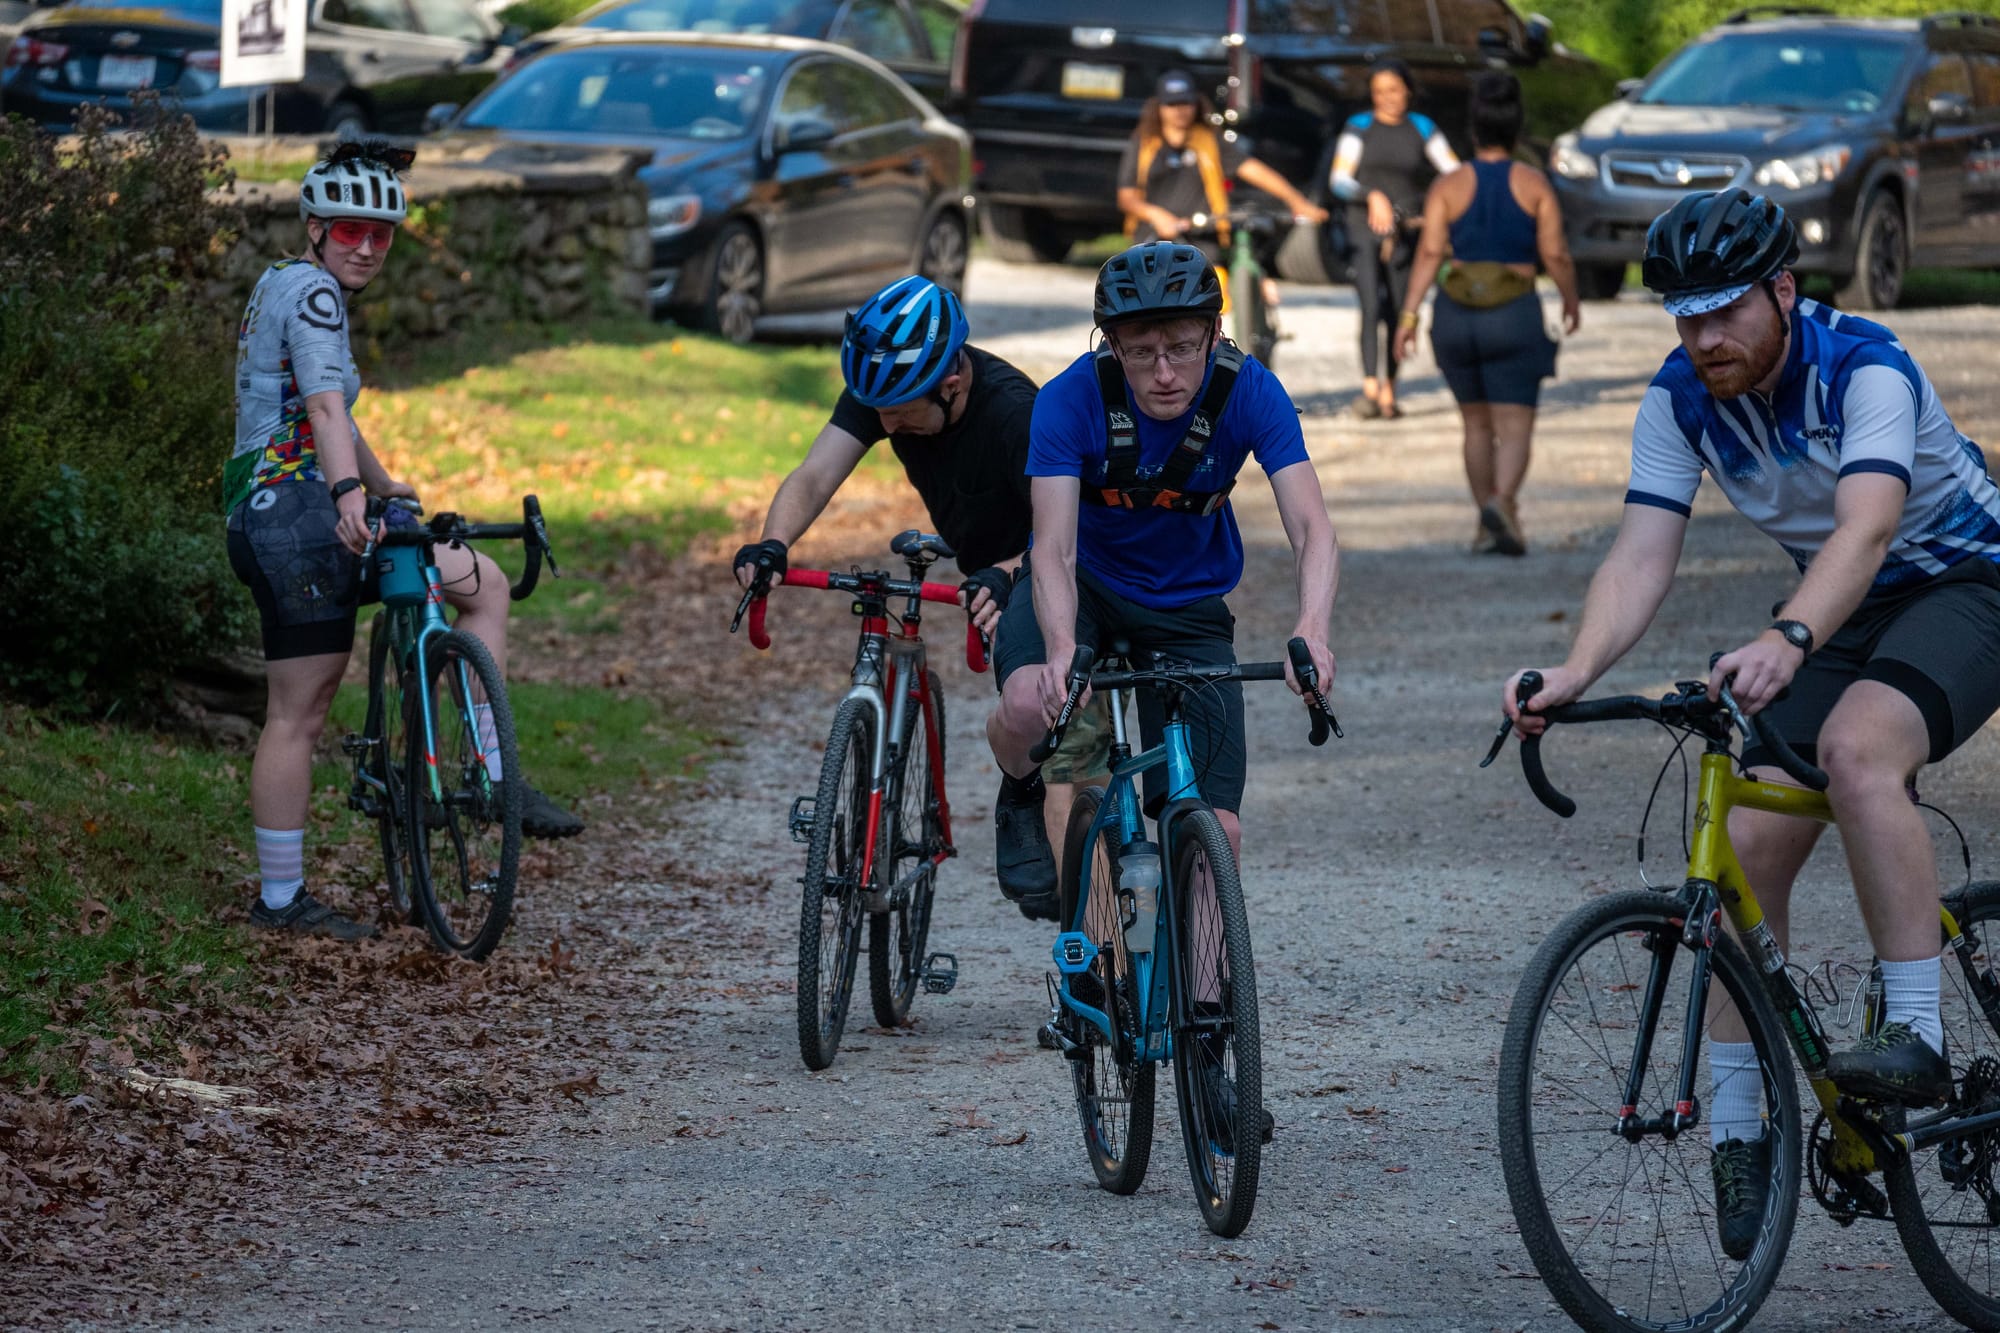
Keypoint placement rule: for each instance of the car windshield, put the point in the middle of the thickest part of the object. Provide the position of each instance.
(1801, 70)
(186, 11)
(660, 92)
(798, 18)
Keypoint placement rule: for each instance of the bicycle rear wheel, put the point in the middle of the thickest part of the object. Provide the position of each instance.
(1946, 1197)
(385, 765)
(830, 912)
(467, 849)
(1114, 1089)
(1218, 1051)
(1624, 1234)
(911, 835)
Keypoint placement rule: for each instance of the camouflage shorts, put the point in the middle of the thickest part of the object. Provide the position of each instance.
(1085, 753)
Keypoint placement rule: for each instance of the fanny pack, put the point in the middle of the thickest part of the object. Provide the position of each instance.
(1483, 283)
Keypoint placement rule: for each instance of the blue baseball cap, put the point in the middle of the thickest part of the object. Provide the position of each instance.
(1702, 303)
(1175, 89)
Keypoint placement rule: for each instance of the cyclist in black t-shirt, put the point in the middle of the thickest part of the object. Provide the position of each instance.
(957, 418)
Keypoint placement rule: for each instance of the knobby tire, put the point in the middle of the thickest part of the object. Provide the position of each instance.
(830, 909)
(912, 828)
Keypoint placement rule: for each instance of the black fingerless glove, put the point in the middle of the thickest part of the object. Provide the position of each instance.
(998, 583)
(768, 555)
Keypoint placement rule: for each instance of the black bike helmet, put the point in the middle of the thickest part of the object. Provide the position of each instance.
(1712, 247)
(1157, 280)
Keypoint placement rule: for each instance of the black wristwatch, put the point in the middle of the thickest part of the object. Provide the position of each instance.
(343, 486)
(1796, 634)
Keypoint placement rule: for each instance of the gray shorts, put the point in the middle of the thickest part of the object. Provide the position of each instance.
(1938, 644)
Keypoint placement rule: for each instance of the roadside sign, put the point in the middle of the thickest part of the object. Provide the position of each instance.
(263, 41)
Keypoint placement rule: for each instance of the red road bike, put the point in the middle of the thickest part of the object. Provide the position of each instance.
(879, 825)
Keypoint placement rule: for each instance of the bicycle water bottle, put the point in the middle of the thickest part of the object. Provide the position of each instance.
(1139, 887)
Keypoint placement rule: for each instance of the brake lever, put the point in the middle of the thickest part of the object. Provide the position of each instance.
(1525, 689)
(759, 587)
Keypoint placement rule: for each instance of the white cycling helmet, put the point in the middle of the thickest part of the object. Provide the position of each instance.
(353, 183)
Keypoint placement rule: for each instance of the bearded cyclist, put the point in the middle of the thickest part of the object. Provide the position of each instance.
(957, 418)
(1824, 432)
(296, 488)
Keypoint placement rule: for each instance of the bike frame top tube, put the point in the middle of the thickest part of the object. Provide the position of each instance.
(1712, 857)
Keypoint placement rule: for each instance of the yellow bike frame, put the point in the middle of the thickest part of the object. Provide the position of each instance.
(1712, 861)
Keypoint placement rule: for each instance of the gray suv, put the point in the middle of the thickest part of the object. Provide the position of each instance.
(1880, 137)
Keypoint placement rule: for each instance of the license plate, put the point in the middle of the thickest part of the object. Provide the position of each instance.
(1081, 79)
(125, 71)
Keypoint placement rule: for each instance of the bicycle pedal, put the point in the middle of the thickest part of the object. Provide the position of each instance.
(1074, 953)
(356, 746)
(802, 818)
(940, 976)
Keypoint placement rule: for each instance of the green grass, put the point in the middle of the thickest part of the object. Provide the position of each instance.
(536, 15)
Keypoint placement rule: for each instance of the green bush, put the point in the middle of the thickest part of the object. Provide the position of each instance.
(115, 408)
(536, 15)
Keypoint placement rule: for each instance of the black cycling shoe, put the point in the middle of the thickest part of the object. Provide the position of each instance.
(1022, 859)
(307, 915)
(543, 818)
(1742, 1175)
(1893, 1065)
(1221, 1101)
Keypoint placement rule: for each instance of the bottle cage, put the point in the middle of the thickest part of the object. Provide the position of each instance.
(1166, 489)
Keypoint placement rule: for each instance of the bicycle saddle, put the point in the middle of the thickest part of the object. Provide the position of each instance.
(917, 544)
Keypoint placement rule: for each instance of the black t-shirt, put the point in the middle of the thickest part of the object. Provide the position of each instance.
(1173, 182)
(972, 475)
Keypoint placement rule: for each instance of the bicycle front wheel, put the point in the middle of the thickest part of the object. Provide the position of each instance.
(913, 833)
(386, 764)
(1624, 1230)
(1218, 1053)
(465, 799)
(1946, 1197)
(831, 911)
(1114, 1089)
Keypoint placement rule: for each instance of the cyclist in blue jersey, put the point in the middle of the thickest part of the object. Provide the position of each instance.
(1132, 453)
(1824, 432)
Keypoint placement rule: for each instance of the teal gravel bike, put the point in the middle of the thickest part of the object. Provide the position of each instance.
(1154, 962)
(450, 832)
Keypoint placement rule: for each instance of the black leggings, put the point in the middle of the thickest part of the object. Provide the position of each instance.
(1380, 286)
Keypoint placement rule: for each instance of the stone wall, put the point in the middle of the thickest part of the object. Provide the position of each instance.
(485, 244)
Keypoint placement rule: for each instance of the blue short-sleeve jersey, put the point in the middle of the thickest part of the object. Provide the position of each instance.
(1157, 557)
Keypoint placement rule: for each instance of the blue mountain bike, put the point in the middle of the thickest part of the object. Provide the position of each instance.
(1154, 962)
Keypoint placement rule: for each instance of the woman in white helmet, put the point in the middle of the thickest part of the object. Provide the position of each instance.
(296, 489)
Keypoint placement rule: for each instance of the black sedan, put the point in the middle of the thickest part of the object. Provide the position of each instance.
(370, 64)
(912, 37)
(784, 174)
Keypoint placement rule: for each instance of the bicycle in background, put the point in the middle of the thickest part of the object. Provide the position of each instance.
(879, 825)
(1154, 962)
(444, 791)
(1253, 321)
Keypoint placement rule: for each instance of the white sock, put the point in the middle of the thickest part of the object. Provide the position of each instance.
(1736, 1111)
(281, 859)
(489, 739)
(1910, 995)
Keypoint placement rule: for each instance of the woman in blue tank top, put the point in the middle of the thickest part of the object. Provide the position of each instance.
(1497, 220)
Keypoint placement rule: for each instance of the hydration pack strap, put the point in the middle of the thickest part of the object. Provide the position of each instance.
(1167, 489)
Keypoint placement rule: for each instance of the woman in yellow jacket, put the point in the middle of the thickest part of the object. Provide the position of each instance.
(1176, 165)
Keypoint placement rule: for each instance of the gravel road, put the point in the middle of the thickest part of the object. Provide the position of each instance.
(1395, 891)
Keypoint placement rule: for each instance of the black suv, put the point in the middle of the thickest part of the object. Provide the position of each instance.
(1881, 138)
(1051, 90)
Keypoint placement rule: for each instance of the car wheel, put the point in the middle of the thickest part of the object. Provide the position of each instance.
(1023, 236)
(1305, 255)
(1599, 282)
(735, 285)
(1880, 260)
(942, 258)
(344, 120)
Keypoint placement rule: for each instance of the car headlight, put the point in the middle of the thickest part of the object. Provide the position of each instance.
(1807, 169)
(672, 214)
(1570, 162)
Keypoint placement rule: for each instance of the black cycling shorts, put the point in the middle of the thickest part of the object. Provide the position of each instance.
(1203, 632)
(1499, 354)
(1938, 644)
(282, 546)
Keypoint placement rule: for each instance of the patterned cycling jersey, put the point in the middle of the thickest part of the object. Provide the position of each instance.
(292, 344)
(1850, 399)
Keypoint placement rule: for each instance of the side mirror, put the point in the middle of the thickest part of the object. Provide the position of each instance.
(1537, 37)
(1950, 108)
(803, 136)
(1626, 87)
(439, 116)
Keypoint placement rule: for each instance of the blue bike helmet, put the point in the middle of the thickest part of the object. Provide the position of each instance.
(902, 342)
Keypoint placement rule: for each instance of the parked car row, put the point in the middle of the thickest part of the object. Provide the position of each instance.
(796, 154)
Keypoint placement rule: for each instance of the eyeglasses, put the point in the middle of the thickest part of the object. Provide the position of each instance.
(1179, 354)
(352, 232)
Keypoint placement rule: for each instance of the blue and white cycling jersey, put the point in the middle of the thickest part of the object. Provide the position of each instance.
(1850, 399)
